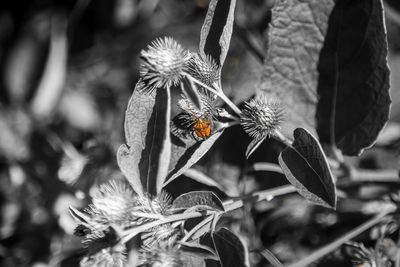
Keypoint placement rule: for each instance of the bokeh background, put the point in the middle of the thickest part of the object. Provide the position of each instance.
(67, 70)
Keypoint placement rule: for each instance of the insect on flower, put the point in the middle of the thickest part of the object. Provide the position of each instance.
(202, 127)
(193, 122)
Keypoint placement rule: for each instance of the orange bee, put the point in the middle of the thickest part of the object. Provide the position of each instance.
(202, 127)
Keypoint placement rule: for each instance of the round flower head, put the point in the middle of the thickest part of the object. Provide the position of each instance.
(204, 69)
(261, 116)
(114, 201)
(161, 255)
(164, 63)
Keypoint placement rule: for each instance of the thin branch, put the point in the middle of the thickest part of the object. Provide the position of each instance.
(266, 166)
(370, 176)
(129, 234)
(280, 137)
(220, 94)
(258, 196)
(196, 228)
(318, 254)
(229, 205)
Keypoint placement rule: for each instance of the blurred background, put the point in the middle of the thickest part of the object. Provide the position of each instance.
(67, 70)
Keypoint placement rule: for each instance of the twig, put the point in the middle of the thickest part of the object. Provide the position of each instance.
(229, 205)
(371, 176)
(265, 166)
(340, 241)
(258, 196)
(196, 228)
(217, 93)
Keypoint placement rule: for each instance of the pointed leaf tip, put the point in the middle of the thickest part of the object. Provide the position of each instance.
(254, 144)
(306, 167)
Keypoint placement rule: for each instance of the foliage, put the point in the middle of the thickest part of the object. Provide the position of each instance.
(324, 92)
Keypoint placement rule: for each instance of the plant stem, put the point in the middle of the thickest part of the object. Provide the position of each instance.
(229, 205)
(370, 176)
(363, 175)
(219, 94)
(173, 218)
(196, 228)
(340, 241)
(265, 166)
(280, 137)
(258, 196)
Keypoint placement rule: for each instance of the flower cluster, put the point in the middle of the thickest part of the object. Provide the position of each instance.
(114, 209)
(165, 64)
(199, 122)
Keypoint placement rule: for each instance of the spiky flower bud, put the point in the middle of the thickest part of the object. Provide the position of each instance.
(107, 257)
(362, 256)
(164, 233)
(261, 116)
(162, 203)
(164, 63)
(161, 256)
(204, 69)
(114, 201)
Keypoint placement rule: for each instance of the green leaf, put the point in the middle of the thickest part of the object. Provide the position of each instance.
(198, 250)
(146, 155)
(353, 84)
(205, 199)
(186, 152)
(231, 250)
(216, 32)
(306, 167)
(295, 39)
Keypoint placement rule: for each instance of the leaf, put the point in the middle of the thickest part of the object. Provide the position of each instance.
(307, 169)
(200, 177)
(231, 250)
(353, 83)
(206, 199)
(270, 257)
(185, 153)
(217, 28)
(147, 153)
(389, 135)
(128, 160)
(327, 60)
(295, 39)
(51, 84)
(198, 250)
(254, 144)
